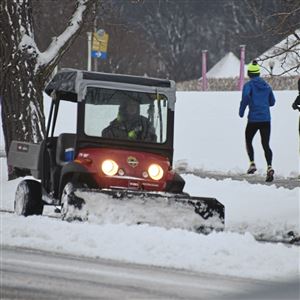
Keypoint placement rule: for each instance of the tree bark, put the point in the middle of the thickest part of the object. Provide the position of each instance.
(25, 70)
(21, 96)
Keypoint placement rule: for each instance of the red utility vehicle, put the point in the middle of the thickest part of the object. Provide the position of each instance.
(117, 163)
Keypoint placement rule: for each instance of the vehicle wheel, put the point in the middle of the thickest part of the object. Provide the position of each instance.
(72, 207)
(28, 198)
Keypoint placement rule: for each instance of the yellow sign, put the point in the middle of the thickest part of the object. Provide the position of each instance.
(100, 43)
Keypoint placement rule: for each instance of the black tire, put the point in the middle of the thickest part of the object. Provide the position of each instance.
(28, 198)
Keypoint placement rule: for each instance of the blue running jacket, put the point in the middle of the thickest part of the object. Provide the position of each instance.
(258, 95)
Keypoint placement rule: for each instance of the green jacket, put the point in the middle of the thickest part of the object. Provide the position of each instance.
(137, 129)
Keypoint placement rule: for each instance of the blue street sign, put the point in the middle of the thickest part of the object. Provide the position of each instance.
(99, 54)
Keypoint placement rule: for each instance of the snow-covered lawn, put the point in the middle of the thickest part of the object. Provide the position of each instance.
(209, 135)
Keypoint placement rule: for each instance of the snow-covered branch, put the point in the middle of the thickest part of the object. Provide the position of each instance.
(283, 58)
(28, 44)
(60, 43)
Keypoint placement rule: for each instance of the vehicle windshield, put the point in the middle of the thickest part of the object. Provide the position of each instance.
(126, 115)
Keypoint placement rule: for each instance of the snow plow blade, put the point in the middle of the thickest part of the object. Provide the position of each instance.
(198, 214)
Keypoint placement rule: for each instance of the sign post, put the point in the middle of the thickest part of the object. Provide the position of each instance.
(89, 61)
(242, 68)
(204, 69)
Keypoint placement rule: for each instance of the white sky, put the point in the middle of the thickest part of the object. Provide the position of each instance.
(209, 135)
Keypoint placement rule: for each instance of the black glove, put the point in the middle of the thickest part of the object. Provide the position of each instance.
(294, 105)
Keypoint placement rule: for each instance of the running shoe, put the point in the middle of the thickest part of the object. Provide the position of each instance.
(252, 169)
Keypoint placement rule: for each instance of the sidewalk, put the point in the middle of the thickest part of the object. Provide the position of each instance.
(288, 183)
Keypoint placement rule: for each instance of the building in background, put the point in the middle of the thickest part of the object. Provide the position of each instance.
(286, 60)
(227, 67)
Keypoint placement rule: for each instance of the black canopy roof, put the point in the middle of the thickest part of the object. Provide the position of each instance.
(65, 81)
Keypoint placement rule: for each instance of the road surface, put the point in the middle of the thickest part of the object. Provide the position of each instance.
(32, 274)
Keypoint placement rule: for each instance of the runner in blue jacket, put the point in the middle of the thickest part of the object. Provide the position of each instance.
(258, 96)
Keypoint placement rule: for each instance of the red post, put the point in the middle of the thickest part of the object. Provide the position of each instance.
(204, 78)
(242, 68)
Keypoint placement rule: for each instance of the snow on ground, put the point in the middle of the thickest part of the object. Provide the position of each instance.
(220, 253)
(265, 211)
(209, 135)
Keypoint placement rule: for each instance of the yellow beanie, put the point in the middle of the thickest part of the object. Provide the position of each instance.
(253, 68)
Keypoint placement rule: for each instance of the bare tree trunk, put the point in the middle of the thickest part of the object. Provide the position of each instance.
(24, 70)
(20, 90)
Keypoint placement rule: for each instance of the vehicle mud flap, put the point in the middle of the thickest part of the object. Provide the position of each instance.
(198, 214)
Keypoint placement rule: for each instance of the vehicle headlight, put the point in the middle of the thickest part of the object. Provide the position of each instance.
(109, 167)
(155, 172)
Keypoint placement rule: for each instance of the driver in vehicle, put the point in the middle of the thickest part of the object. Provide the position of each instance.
(129, 124)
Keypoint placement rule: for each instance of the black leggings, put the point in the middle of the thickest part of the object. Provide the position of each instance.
(265, 130)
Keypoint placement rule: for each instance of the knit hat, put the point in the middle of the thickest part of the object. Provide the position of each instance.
(253, 69)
